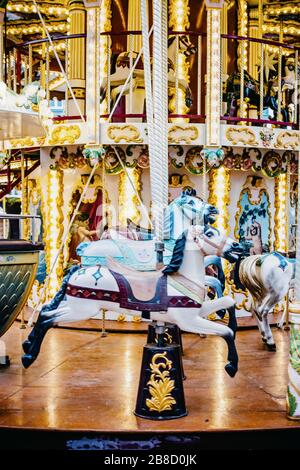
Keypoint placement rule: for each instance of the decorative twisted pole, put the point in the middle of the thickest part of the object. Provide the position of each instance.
(159, 152)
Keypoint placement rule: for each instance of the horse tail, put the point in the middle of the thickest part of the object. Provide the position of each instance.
(59, 296)
(250, 275)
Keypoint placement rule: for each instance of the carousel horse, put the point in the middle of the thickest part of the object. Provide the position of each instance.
(290, 97)
(31, 95)
(121, 68)
(183, 211)
(137, 249)
(132, 245)
(268, 278)
(232, 91)
(174, 294)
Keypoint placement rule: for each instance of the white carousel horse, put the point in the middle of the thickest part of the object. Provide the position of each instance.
(172, 295)
(184, 211)
(289, 88)
(32, 94)
(268, 278)
(118, 78)
(132, 247)
(290, 95)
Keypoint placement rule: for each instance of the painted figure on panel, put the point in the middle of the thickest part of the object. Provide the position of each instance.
(253, 218)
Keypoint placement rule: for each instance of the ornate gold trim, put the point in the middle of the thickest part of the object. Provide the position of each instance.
(121, 318)
(64, 135)
(127, 132)
(53, 226)
(78, 93)
(160, 384)
(26, 142)
(127, 198)
(242, 135)
(184, 134)
(219, 195)
(280, 216)
(283, 139)
(60, 225)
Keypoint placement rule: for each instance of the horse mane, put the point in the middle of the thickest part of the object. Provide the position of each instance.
(171, 40)
(177, 255)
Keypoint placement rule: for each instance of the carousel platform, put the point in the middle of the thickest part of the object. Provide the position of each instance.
(83, 387)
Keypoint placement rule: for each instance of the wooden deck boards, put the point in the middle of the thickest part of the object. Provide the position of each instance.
(84, 382)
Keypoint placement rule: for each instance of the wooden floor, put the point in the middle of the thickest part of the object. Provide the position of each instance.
(84, 382)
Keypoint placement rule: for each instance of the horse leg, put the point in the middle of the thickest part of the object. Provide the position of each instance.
(215, 305)
(259, 322)
(202, 326)
(215, 284)
(232, 324)
(267, 305)
(270, 343)
(33, 344)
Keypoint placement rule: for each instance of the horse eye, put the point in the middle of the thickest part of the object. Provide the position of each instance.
(209, 234)
(192, 203)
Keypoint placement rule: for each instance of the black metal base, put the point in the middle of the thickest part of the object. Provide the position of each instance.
(4, 362)
(160, 394)
(172, 335)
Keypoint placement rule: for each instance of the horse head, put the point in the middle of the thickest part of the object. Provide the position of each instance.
(194, 208)
(212, 242)
(185, 46)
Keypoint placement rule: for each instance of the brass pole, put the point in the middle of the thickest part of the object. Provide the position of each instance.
(23, 325)
(103, 332)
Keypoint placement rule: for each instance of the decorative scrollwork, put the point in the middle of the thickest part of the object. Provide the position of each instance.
(271, 164)
(287, 139)
(242, 135)
(185, 134)
(194, 161)
(160, 384)
(112, 163)
(64, 135)
(63, 160)
(127, 132)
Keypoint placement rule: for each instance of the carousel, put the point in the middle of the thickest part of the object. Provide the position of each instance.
(150, 244)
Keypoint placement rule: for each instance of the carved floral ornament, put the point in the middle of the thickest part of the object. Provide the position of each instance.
(241, 135)
(195, 160)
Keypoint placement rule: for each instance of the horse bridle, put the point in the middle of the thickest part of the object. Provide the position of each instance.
(213, 244)
(190, 47)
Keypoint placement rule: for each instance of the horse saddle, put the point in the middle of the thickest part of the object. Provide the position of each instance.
(142, 291)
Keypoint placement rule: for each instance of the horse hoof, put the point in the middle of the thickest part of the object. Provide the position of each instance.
(27, 360)
(271, 347)
(231, 369)
(26, 346)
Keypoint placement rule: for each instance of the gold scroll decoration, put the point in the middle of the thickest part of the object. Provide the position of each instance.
(185, 134)
(128, 133)
(242, 135)
(160, 384)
